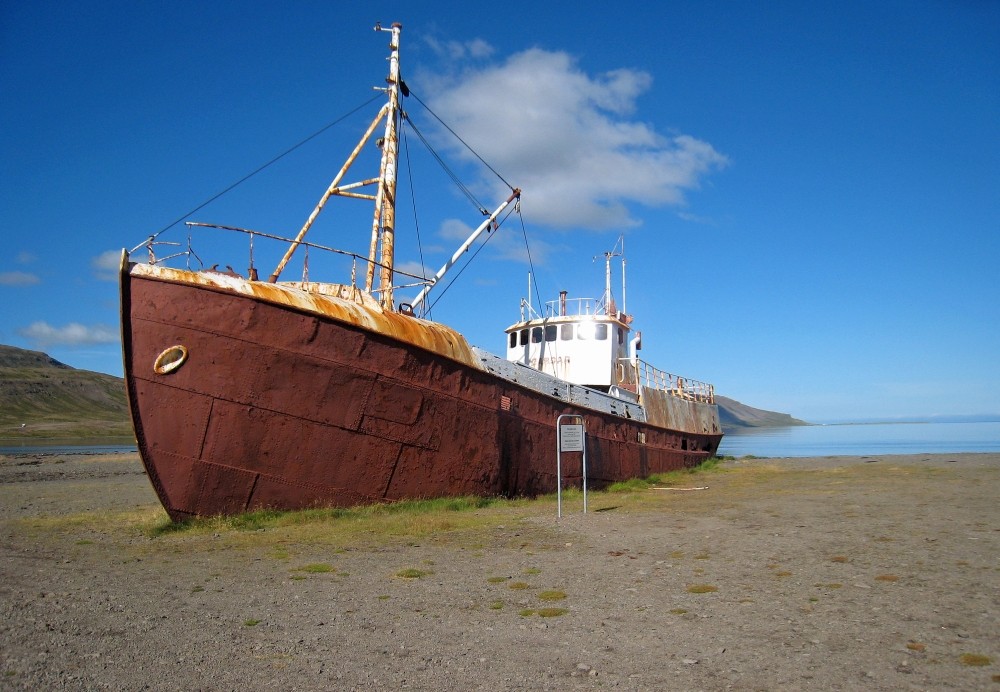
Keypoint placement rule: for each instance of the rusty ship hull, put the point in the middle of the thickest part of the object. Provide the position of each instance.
(291, 399)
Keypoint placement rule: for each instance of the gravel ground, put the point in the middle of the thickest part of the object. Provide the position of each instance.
(873, 573)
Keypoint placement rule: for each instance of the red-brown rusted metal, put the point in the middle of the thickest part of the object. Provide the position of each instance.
(279, 404)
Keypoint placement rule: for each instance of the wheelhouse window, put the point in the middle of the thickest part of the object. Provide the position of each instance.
(524, 337)
(536, 335)
(566, 332)
(550, 332)
(601, 332)
(513, 340)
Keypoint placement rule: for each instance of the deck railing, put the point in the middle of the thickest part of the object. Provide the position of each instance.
(675, 385)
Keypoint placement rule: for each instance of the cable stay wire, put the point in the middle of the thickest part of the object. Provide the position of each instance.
(450, 173)
(242, 180)
(413, 202)
(495, 232)
(531, 264)
(464, 143)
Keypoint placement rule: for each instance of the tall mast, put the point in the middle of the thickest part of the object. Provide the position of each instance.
(385, 198)
(384, 222)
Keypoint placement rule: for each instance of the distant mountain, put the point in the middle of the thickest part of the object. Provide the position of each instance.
(733, 414)
(51, 399)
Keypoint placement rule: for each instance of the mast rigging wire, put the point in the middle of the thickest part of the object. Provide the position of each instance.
(450, 173)
(455, 135)
(413, 197)
(258, 170)
(465, 266)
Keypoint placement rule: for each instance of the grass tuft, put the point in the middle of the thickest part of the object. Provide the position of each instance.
(551, 595)
(975, 660)
(702, 588)
(551, 612)
(667, 479)
(412, 573)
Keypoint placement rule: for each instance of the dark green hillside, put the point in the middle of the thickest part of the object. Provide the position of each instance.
(54, 400)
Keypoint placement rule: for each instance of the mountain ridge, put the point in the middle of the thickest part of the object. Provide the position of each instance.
(41, 397)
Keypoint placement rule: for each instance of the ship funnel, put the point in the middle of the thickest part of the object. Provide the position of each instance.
(562, 303)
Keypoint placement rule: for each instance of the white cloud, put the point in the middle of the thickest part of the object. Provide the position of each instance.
(413, 268)
(18, 279)
(455, 50)
(73, 334)
(106, 264)
(565, 137)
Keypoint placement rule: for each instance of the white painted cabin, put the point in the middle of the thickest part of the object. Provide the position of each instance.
(581, 340)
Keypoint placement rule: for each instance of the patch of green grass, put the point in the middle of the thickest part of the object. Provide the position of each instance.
(497, 580)
(412, 519)
(551, 612)
(84, 541)
(701, 588)
(518, 586)
(551, 595)
(678, 611)
(251, 622)
(496, 605)
(975, 660)
(197, 589)
(316, 568)
(298, 577)
(411, 573)
(526, 612)
(531, 570)
(664, 479)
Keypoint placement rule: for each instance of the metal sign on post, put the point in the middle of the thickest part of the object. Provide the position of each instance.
(571, 437)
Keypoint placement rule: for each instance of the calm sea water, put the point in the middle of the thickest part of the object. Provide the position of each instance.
(89, 446)
(797, 441)
(859, 440)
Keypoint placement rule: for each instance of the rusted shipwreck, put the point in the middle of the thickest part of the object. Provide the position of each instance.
(250, 393)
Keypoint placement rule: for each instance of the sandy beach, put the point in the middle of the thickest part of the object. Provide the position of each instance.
(850, 573)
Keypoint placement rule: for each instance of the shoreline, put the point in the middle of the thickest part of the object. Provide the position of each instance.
(875, 573)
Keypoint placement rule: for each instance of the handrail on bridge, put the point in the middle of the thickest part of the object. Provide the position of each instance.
(653, 378)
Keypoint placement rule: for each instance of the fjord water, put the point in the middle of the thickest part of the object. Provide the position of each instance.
(796, 441)
(862, 439)
(114, 445)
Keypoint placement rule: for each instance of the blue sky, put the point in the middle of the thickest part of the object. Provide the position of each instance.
(809, 192)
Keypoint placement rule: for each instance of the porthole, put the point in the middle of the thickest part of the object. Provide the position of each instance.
(171, 359)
